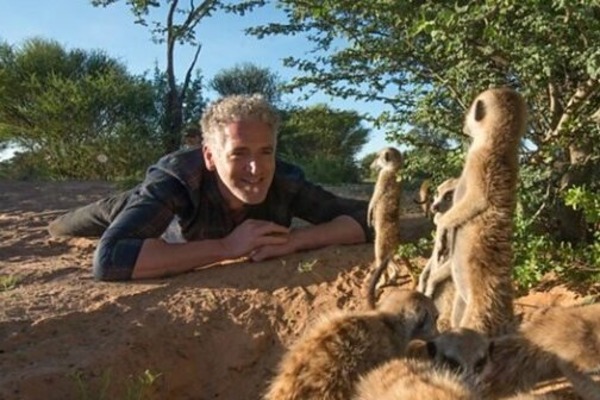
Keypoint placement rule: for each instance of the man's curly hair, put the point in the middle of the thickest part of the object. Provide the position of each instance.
(236, 108)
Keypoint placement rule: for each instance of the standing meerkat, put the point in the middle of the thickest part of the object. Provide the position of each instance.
(326, 362)
(482, 213)
(558, 341)
(435, 280)
(425, 197)
(384, 217)
(437, 268)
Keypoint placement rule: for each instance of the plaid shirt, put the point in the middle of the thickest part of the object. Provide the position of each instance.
(180, 185)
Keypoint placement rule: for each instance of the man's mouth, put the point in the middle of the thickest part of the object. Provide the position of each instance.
(253, 185)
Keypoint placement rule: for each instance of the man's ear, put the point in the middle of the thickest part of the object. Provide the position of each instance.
(209, 160)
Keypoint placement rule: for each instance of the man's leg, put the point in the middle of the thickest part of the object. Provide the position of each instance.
(91, 220)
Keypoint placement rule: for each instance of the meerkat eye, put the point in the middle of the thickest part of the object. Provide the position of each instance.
(452, 364)
(421, 323)
(479, 365)
(480, 111)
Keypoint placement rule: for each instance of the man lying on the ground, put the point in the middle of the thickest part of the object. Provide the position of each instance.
(227, 200)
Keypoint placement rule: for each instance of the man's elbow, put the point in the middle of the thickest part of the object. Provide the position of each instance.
(112, 263)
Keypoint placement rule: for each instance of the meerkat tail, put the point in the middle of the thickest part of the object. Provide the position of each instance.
(373, 280)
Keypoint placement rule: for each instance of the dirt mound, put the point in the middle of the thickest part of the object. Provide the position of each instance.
(212, 333)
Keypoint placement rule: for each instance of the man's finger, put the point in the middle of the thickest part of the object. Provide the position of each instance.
(272, 230)
(271, 240)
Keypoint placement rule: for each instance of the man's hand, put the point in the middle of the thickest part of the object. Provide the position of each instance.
(340, 230)
(271, 251)
(253, 234)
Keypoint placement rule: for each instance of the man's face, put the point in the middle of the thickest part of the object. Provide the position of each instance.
(244, 158)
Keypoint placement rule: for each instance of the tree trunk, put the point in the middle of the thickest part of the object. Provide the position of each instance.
(572, 224)
(174, 121)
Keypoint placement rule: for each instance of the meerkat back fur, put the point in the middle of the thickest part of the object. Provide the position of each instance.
(327, 360)
(413, 379)
(482, 213)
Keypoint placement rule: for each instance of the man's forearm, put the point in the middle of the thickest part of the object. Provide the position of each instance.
(340, 230)
(158, 258)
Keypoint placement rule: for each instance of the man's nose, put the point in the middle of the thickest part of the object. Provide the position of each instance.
(252, 167)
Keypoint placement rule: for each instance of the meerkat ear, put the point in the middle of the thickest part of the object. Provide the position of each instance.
(431, 349)
(479, 110)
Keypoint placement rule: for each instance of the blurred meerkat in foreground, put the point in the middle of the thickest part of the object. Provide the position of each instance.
(482, 213)
(463, 351)
(435, 280)
(558, 341)
(417, 379)
(425, 197)
(327, 360)
(413, 379)
(384, 217)
(450, 368)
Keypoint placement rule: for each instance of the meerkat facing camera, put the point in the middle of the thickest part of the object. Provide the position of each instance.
(463, 350)
(557, 341)
(435, 280)
(436, 269)
(326, 362)
(482, 213)
(450, 367)
(384, 217)
(425, 197)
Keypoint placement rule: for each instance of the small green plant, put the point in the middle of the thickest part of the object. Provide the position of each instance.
(84, 390)
(8, 282)
(137, 388)
(307, 266)
(422, 247)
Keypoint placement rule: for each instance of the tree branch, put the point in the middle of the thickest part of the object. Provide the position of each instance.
(583, 92)
(188, 74)
(596, 116)
(171, 38)
(556, 109)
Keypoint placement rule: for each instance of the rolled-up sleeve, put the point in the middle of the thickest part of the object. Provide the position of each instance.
(147, 214)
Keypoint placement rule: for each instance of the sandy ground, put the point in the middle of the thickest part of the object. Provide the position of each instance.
(216, 333)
